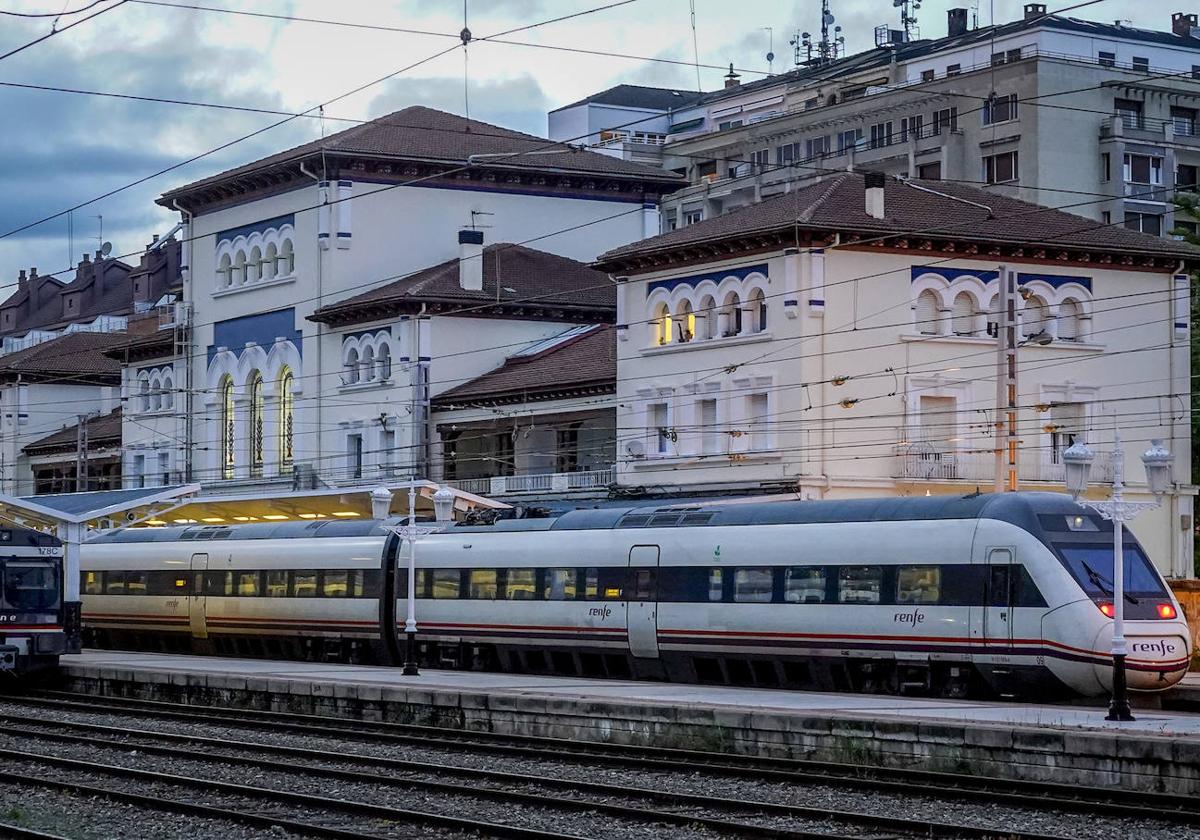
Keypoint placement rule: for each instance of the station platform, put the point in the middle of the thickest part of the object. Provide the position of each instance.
(1066, 743)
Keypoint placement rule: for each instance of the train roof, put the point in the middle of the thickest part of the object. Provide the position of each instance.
(1021, 509)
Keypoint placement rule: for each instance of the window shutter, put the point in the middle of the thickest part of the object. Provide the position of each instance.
(964, 314)
(926, 313)
(1068, 321)
(1034, 318)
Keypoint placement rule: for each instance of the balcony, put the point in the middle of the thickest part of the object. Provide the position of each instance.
(1178, 131)
(928, 462)
(567, 482)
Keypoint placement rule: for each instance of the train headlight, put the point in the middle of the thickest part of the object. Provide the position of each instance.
(1106, 608)
(1167, 611)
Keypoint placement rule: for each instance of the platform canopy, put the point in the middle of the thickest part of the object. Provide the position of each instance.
(98, 509)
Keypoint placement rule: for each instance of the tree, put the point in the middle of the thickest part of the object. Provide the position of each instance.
(1189, 203)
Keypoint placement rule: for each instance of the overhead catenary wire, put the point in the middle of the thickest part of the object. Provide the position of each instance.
(56, 31)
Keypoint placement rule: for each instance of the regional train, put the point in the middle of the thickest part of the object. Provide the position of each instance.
(983, 595)
(32, 635)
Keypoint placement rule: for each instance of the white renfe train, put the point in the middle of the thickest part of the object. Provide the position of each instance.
(1005, 595)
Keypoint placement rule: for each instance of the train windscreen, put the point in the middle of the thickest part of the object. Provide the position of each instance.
(1092, 568)
(30, 586)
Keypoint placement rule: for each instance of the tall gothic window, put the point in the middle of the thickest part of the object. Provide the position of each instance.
(286, 421)
(228, 458)
(256, 424)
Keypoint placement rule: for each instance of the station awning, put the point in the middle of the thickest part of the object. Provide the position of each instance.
(99, 509)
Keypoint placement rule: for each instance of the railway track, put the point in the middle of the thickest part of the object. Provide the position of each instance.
(1046, 795)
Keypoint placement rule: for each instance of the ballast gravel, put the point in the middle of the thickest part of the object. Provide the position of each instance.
(1002, 818)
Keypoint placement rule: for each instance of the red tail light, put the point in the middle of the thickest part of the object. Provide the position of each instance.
(1166, 611)
(1106, 608)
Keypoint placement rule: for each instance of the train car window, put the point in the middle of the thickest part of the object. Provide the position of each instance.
(218, 583)
(716, 584)
(356, 583)
(368, 584)
(168, 582)
(482, 584)
(446, 583)
(643, 584)
(591, 586)
(559, 585)
(30, 587)
(276, 585)
(918, 584)
(753, 586)
(93, 583)
(304, 584)
(521, 585)
(421, 582)
(1025, 592)
(1092, 568)
(5, 535)
(114, 583)
(135, 583)
(860, 584)
(804, 585)
(335, 583)
(248, 584)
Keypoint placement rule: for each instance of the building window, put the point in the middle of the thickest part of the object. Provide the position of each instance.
(1105, 166)
(1006, 56)
(1144, 222)
(691, 217)
(1066, 425)
(945, 120)
(387, 446)
(786, 154)
(1068, 321)
(1129, 112)
(286, 420)
(849, 139)
(758, 421)
(953, 69)
(926, 75)
(911, 127)
(881, 134)
(731, 316)
(926, 316)
(351, 365)
(383, 362)
(1141, 64)
(1183, 121)
(1143, 169)
(1107, 59)
(930, 171)
(757, 309)
(963, 314)
(729, 125)
(228, 457)
(660, 430)
(354, 455)
(1001, 168)
(707, 319)
(1034, 317)
(661, 325)
(817, 147)
(1106, 216)
(760, 160)
(710, 435)
(1186, 177)
(256, 424)
(1000, 109)
(164, 468)
(685, 322)
(139, 470)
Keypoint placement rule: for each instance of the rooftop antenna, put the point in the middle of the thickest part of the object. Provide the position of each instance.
(770, 50)
(827, 49)
(908, 18)
(100, 236)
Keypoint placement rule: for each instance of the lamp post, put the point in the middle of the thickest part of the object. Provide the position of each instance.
(1078, 460)
(410, 532)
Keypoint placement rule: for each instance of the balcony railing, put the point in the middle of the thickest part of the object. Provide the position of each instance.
(536, 482)
(928, 462)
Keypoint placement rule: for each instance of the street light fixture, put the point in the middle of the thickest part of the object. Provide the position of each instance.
(1078, 463)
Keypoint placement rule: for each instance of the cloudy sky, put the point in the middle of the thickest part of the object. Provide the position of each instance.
(63, 149)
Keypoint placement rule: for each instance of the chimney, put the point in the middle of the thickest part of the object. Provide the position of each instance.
(1034, 10)
(22, 282)
(33, 273)
(86, 259)
(956, 22)
(732, 79)
(470, 260)
(873, 183)
(1183, 24)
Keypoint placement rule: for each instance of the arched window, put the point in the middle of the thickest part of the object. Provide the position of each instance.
(383, 362)
(270, 261)
(352, 367)
(993, 316)
(168, 392)
(144, 392)
(286, 420)
(1033, 317)
(254, 267)
(758, 311)
(239, 269)
(731, 315)
(708, 317)
(155, 394)
(228, 459)
(964, 314)
(926, 317)
(662, 324)
(685, 322)
(256, 424)
(287, 258)
(1068, 320)
(367, 364)
(225, 272)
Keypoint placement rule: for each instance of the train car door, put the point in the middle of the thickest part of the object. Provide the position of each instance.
(998, 616)
(641, 600)
(197, 615)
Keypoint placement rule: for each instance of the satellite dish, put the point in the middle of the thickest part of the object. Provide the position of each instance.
(770, 56)
(635, 449)
(106, 249)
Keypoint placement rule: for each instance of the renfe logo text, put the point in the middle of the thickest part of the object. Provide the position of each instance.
(912, 619)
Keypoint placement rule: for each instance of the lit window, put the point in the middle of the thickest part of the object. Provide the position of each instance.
(286, 420)
(256, 424)
(228, 459)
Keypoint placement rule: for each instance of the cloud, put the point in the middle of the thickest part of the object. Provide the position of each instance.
(517, 103)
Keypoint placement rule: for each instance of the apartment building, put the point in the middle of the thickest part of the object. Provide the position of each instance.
(836, 342)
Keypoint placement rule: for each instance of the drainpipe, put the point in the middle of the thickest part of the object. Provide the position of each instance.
(188, 361)
(1174, 508)
(319, 459)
